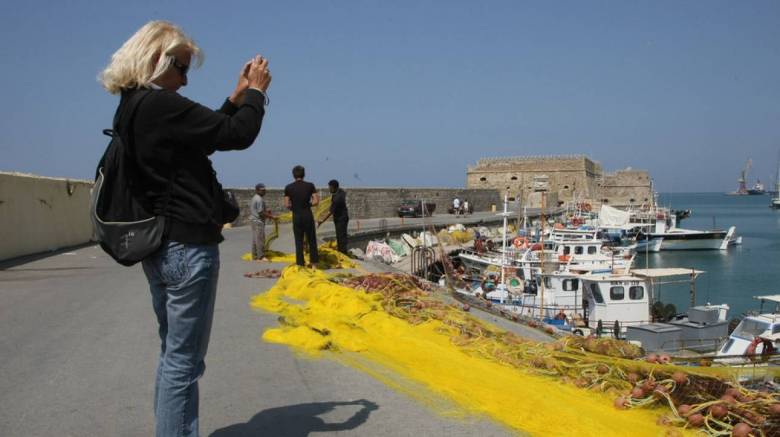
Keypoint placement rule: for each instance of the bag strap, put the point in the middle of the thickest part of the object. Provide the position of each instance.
(134, 102)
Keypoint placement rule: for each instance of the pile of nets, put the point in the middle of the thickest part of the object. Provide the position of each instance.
(330, 257)
(394, 322)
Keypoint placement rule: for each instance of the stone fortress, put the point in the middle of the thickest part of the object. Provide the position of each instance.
(565, 179)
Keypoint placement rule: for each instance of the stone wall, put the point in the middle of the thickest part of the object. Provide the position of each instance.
(626, 187)
(380, 202)
(568, 176)
(40, 214)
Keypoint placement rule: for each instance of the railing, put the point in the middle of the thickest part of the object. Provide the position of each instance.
(422, 258)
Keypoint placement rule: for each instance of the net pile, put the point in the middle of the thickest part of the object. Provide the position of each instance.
(330, 257)
(393, 328)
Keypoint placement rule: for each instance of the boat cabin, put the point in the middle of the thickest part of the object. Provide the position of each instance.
(756, 334)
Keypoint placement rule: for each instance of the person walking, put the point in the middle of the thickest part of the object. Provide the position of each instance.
(171, 138)
(258, 213)
(338, 209)
(300, 197)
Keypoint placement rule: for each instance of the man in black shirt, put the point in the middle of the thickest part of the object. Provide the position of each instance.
(338, 209)
(300, 197)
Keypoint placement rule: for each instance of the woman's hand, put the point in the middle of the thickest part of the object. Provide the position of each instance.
(258, 75)
(237, 98)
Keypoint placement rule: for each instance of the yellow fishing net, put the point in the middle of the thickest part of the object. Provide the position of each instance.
(476, 367)
(330, 257)
(395, 329)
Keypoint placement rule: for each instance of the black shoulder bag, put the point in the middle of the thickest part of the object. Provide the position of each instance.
(123, 225)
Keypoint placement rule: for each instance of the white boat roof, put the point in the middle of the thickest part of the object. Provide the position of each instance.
(770, 297)
(665, 272)
(609, 277)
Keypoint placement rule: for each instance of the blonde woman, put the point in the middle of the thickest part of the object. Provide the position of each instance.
(170, 138)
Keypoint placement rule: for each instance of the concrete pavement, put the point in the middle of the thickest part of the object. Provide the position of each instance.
(79, 347)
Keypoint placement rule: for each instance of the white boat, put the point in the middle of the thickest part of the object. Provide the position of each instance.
(690, 239)
(590, 300)
(756, 334)
(675, 238)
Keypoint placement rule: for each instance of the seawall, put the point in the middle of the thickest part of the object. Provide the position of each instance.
(40, 214)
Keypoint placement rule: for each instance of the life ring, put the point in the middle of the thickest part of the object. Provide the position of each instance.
(586, 207)
(520, 242)
(576, 221)
(516, 285)
(564, 258)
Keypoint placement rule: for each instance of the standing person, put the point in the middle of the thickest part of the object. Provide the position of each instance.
(300, 197)
(258, 213)
(171, 137)
(456, 206)
(466, 206)
(338, 209)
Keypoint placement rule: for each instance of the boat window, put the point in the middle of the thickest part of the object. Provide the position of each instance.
(775, 329)
(749, 328)
(591, 250)
(573, 285)
(578, 250)
(520, 273)
(617, 293)
(547, 282)
(566, 250)
(636, 292)
(727, 346)
(594, 290)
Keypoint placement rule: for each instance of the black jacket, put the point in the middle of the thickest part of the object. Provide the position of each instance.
(172, 137)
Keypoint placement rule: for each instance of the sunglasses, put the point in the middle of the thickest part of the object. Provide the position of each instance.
(182, 68)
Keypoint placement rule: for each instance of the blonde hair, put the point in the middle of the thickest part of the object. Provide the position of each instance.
(146, 56)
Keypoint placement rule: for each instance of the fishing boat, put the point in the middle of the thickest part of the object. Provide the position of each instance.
(583, 302)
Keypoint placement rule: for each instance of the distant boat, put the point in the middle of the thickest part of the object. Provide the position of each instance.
(775, 203)
(742, 190)
(758, 189)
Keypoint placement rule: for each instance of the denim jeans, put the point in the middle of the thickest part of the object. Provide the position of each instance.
(183, 281)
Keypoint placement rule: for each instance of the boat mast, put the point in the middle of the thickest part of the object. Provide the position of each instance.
(541, 265)
(503, 252)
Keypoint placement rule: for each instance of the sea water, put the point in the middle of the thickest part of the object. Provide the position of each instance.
(731, 276)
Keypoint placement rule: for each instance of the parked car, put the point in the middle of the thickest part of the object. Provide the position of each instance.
(414, 208)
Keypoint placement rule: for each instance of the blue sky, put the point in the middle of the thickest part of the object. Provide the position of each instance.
(378, 93)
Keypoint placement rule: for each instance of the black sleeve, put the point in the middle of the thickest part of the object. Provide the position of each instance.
(195, 126)
(228, 108)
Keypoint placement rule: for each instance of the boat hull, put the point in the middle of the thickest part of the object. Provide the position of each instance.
(702, 243)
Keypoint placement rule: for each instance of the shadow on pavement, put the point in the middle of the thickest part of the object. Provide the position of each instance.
(298, 420)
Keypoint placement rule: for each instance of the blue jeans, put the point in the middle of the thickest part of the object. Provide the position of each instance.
(183, 281)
